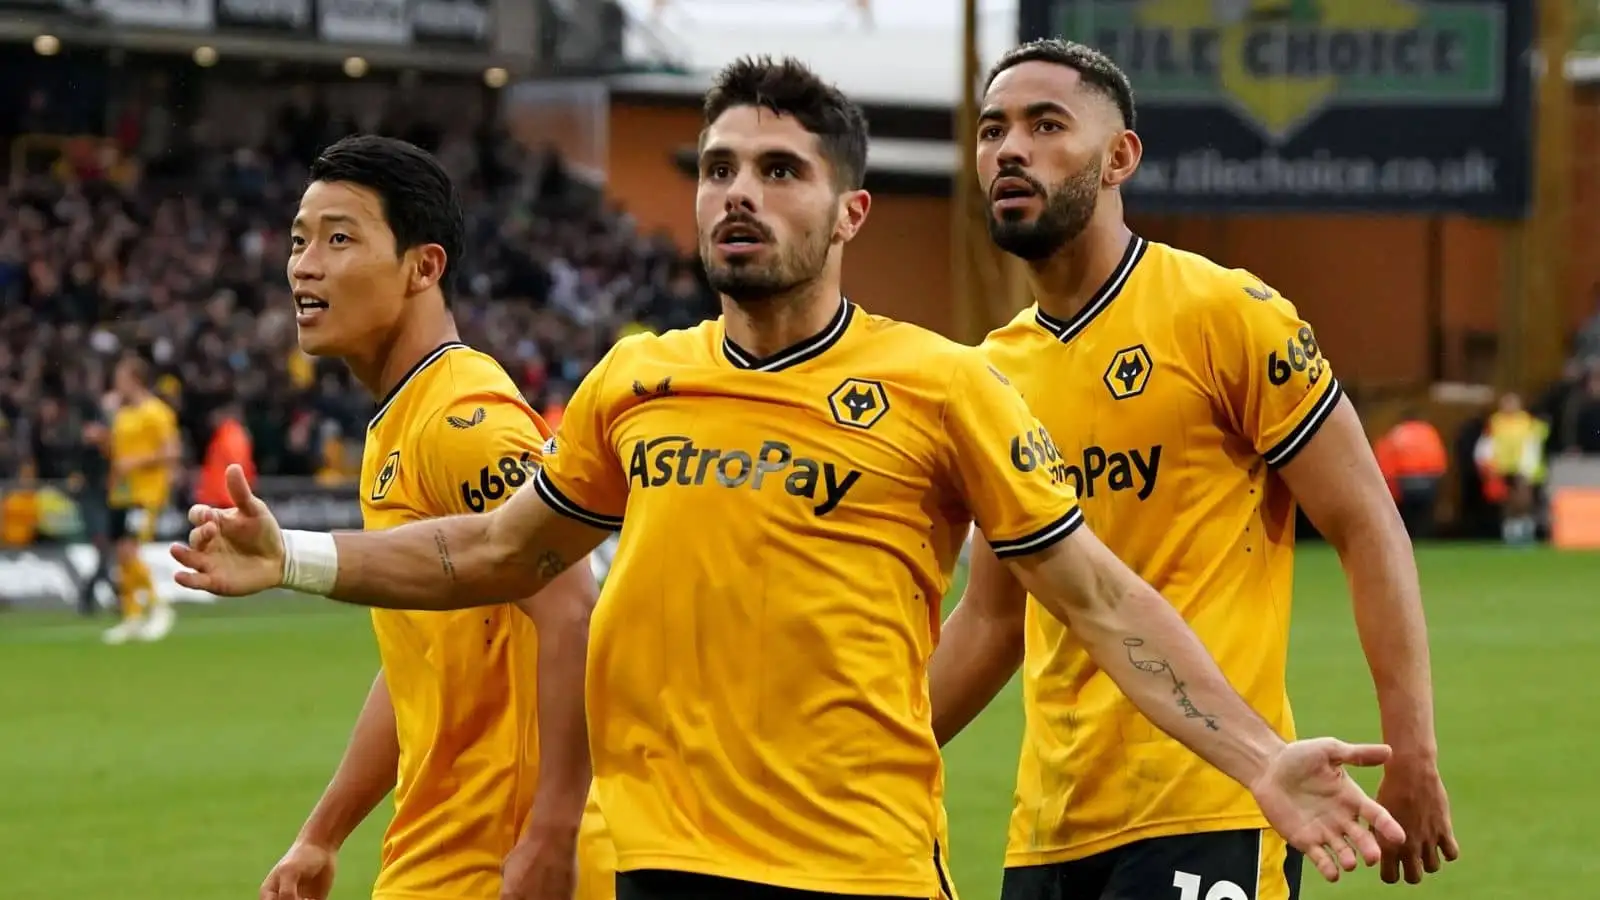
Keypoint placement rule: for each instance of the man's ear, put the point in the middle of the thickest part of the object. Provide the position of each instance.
(853, 209)
(427, 264)
(1122, 158)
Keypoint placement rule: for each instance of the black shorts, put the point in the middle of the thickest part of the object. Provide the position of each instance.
(657, 884)
(1219, 865)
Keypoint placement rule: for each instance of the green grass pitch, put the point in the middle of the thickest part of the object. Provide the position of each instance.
(181, 769)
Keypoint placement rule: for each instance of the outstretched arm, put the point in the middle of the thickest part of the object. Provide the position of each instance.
(1139, 640)
(451, 563)
(980, 645)
(457, 562)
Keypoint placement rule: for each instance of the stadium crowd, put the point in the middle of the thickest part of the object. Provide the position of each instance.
(179, 255)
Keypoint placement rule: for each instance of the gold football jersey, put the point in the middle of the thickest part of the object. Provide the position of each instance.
(1172, 395)
(138, 430)
(455, 436)
(757, 688)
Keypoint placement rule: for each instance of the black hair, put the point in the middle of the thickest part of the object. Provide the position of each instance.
(1094, 68)
(420, 204)
(789, 87)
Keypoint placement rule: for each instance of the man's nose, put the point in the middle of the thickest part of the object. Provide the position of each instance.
(744, 193)
(1016, 149)
(307, 265)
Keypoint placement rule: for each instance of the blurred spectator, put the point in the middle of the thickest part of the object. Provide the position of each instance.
(1510, 457)
(19, 511)
(1413, 459)
(229, 446)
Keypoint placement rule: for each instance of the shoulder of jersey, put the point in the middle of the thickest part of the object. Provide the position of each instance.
(463, 374)
(895, 333)
(933, 360)
(471, 369)
(676, 343)
(1021, 328)
(1209, 286)
(925, 350)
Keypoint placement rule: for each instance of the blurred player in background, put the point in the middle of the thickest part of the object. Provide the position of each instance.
(476, 719)
(144, 451)
(1192, 409)
(797, 478)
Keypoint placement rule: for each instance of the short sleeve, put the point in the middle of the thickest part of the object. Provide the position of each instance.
(477, 451)
(1273, 381)
(1009, 472)
(582, 477)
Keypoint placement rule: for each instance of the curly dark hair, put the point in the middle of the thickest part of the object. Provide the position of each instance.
(1095, 68)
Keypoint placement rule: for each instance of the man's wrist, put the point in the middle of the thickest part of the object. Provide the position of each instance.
(558, 811)
(1413, 752)
(315, 834)
(552, 829)
(310, 562)
(1262, 754)
(1407, 727)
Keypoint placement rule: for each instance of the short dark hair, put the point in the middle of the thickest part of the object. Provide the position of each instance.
(1095, 69)
(420, 204)
(789, 87)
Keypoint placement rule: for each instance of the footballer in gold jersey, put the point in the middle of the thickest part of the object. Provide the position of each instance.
(145, 449)
(1192, 407)
(793, 483)
(475, 722)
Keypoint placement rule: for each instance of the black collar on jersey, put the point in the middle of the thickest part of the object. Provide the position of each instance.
(423, 363)
(1067, 329)
(795, 354)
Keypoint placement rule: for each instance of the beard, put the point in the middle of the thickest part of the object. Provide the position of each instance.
(1068, 206)
(778, 272)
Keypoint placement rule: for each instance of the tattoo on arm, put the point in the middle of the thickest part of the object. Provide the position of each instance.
(550, 564)
(444, 554)
(1162, 667)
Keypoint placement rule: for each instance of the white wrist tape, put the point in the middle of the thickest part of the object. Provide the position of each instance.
(310, 562)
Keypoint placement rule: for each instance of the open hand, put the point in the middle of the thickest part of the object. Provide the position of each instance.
(232, 552)
(1319, 809)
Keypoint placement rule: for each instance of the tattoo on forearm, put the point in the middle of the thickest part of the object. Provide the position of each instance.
(550, 564)
(1162, 667)
(444, 555)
